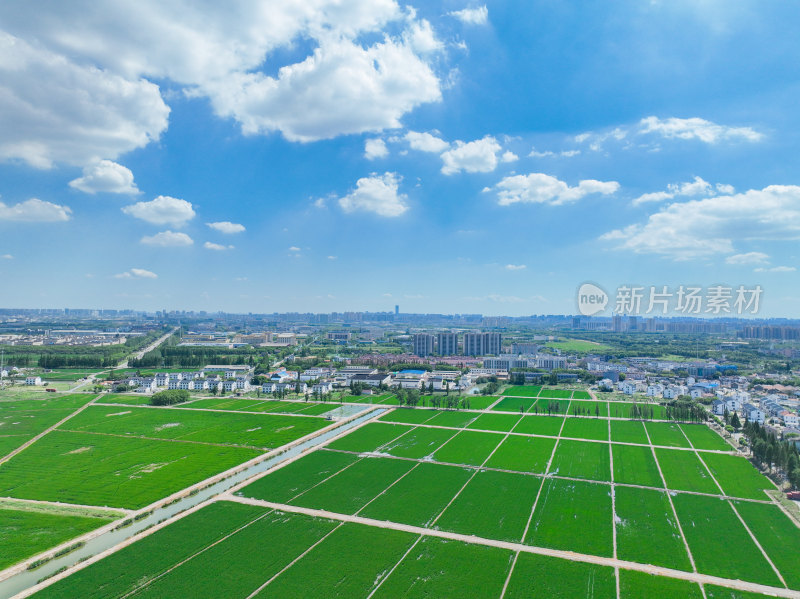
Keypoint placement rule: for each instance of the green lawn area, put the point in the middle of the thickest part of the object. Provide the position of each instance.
(578, 346)
(420, 496)
(628, 431)
(582, 459)
(468, 447)
(24, 533)
(238, 565)
(435, 568)
(683, 471)
(495, 422)
(647, 531)
(702, 437)
(666, 434)
(369, 437)
(737, 476)
(125, 570)
(479, 402)
(523, 390)
(635, 465)
(586, 428)
(713, 530)
(588, 408)
(777, 534)
(457, 419)
(350, 489)
(523, 454)
(638, 585)
(351, 562)
(578, 394)
(573, 516)
(266, 431)
(112, 471)
(540, 425)
(555, 393)
(542, 576)
(418, 443)
(494, 505)
(514, 404)
(284, 484)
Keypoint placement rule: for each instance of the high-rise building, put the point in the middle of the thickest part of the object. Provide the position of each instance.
(396, 309)
(481, 344)
(423, 344)
(447, 344)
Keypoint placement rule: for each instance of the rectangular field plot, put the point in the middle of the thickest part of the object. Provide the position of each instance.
(637, 410)
(712, 530)
(239, 565)
(369, 437)
(647, 531)
(495, 422)
(540, 425)
(284, 484)
(435, 568)
(457, 419)
(349, 490)
(703, 437)
(573, 516)
(582, 459)
(384, 398)
(523, 391)
(586, 428)
(667, 434)
(494, 505)
(577, 394)
(588, 408)
(635, 465)
(628, 431)
(556, 393)
(24, 533)
(777, 534)
(112, 471)
(351, 562)
(514, 404)
(544, 576)
(478, 402)
(683, 471)
(715, 592)
(408, 416)
(637, 585)
(550, 406)
(523, 454)
(468, 447)
(419, 443)
(129, 568)
(263, 432)
(26, 418)
(131, 400)
(737, 476)
(420, 496)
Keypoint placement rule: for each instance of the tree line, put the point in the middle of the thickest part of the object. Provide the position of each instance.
(772, 453)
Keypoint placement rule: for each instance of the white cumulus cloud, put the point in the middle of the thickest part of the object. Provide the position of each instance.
(426, 142)
(375, 148)
(168, 239)
(479, 156)
(710, 226)
(56, 110)
(164, 210)
(776, 269)
(377, 194)
(136, 273)
(105, 176)
(515, 267)
(696, 128)
(217, 247)
(748, 258)
(226, 227)
(539, 188)
(35, 211)
(472, 16)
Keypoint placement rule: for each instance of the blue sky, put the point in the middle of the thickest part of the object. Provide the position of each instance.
(449, 157)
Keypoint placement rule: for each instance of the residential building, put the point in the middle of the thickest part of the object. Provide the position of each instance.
(33, 380)
(447, 344)
(482, 344)
(753, 414)
(423, 344)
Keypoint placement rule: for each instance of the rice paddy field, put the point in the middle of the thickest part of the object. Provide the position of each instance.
(423, 503)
